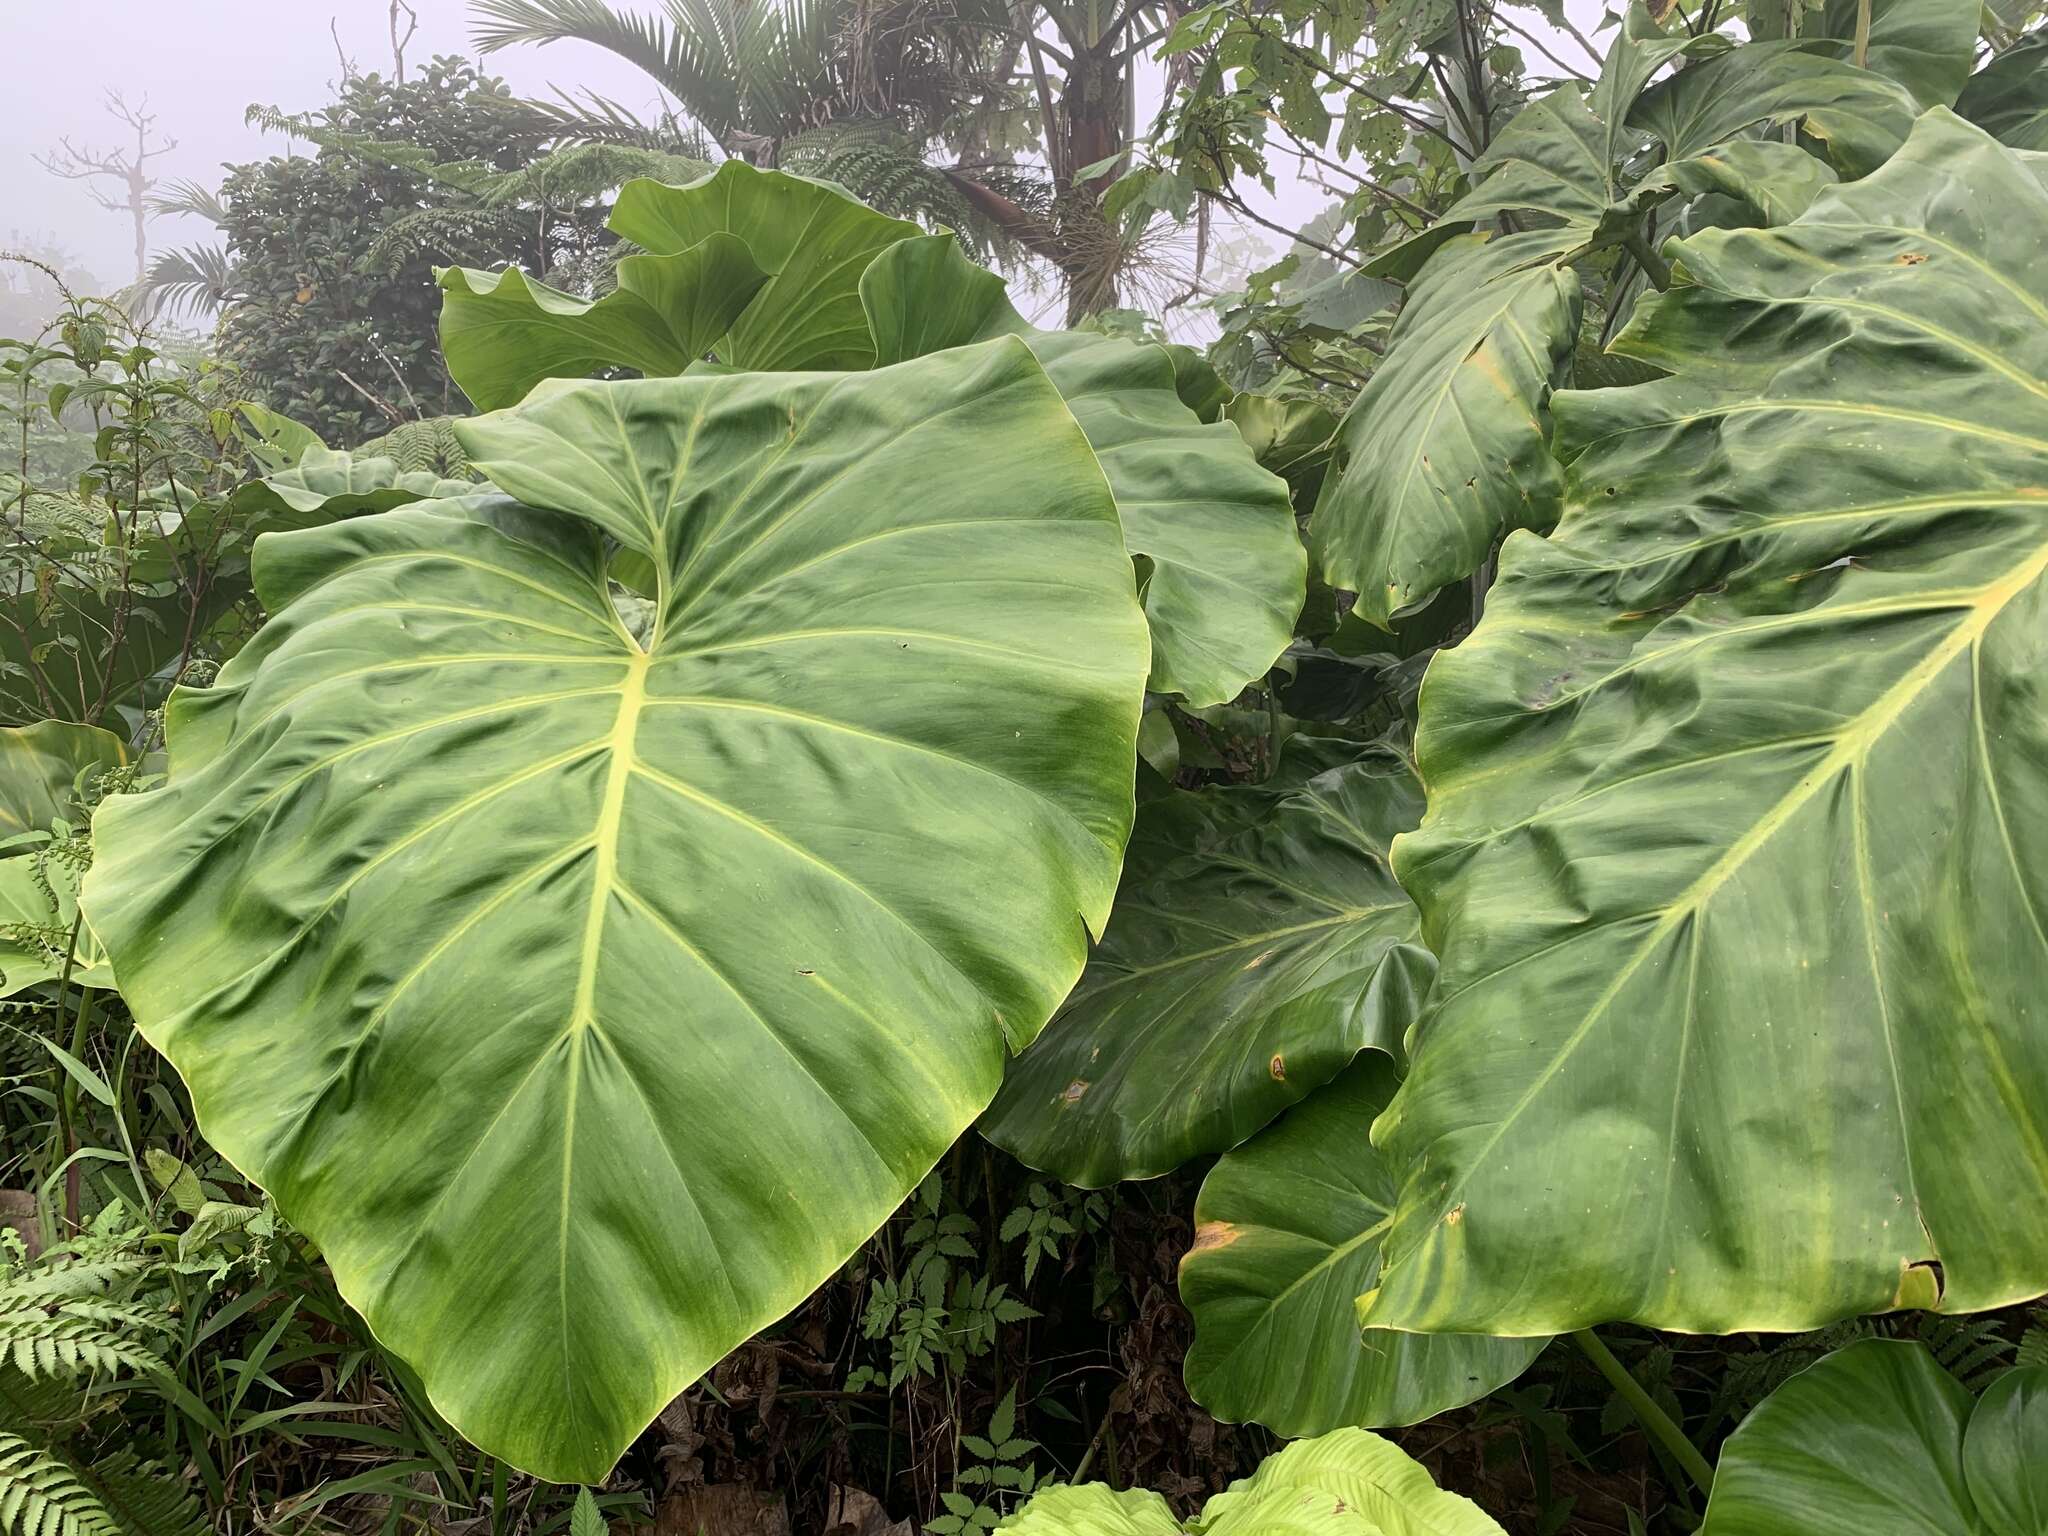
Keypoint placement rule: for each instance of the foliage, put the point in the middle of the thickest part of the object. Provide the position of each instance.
(1346, 1483)
(1259, 943)
(594, 901)
(332, 319)
(1781, 603)
(769, 271)
(1879, 1437)
(787, 518)
(1288, 1229)
(113, 576)
(999, 1473)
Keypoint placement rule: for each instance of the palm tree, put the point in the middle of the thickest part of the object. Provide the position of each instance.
(867, 92)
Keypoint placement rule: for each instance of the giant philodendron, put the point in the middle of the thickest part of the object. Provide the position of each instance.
(1878, 1440)
(1258, 943)
(43, 768)
(1446, 448)
(589, 1001)
(770, 271)
(1736, 857)
(2008, 97)
(1287, 1234)
(1347, 1483)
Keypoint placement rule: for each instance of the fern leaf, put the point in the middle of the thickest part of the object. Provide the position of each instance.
(144, 1500)
(41, 1494)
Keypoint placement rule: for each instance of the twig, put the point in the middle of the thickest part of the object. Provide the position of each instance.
(390, 410)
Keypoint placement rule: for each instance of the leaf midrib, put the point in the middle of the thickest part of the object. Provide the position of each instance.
(1851, 746)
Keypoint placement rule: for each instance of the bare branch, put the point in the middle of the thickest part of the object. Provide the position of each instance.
(398, 43)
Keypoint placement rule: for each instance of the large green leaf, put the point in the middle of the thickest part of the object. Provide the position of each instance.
(325, 485)
(2008, 97)
(1224, 569)
(1347, 1483)
(1737, 848)
(589, 1004)
(1446, 447)
(1858, 116)
(811, 237)
(1777, 181)
(1447, 444)
(39, 926)
(1287, 1234)
(502, 332)
(1258, 943)
(1289, 437)
(2005, 1453)
(67, 631)
(41, 764)
(1928, 46)
(1878, 1440)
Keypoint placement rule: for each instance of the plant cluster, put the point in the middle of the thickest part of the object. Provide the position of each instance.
(1452, 908)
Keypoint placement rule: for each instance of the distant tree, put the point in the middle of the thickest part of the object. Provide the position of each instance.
(327, 263)
(126, 168)
(937, 109)
(36, 272)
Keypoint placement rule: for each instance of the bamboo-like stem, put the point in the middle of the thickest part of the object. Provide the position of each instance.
(1655, 1420)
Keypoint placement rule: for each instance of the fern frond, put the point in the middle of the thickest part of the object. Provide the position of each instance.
(71, 1317)
(61, 1278)
(142, 1499)
(1973, 1350)
(428, 447)
(41, 1494)
(69, 1348)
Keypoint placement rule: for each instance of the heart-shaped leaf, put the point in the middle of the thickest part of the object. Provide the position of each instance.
(1878, 1440)
(1287, 1235)
(1259, 942)
(588, 1002)
(1737, 848)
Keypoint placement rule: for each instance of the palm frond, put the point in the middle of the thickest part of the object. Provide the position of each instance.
(685, 54)
(197, 279)
(185, 196)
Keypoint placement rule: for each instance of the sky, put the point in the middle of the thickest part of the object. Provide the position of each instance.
(199, 63)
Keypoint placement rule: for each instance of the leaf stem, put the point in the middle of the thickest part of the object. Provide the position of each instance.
(1653, 1419)
(1654, 266)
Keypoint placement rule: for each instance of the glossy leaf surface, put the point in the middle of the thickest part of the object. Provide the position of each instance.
(1258, 943)
(810, 237)
(1735, 851)
(1287, 1234)
(1878, 1440)
(1447, 444)
(503, 332)
(1348, 1483)
(588, 1003)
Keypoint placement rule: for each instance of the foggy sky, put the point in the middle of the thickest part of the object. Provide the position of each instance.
(200, 63)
